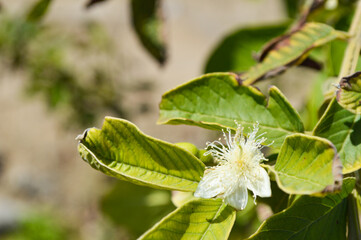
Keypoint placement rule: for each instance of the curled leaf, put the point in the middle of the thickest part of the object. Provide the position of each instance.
(349, 93)
(290, 49)
(120, 150)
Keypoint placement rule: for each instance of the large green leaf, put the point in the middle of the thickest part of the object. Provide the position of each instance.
(147, 20)
(349, 94)
(235, 52)
(120, 150)
(343, 129)
(310, 218)
(216, 101)
(198, 219)
(291, 49)
(305, 165)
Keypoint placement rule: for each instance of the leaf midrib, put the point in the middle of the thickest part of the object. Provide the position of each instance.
(287, 131)
(316, 220)
(138, 167)
(209, 225)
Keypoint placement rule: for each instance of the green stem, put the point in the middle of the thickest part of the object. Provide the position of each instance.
(291, 199)
(352, 52)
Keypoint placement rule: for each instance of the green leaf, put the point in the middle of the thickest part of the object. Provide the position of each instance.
(349, 94)
(120, 150)
(147, 20)
(343, 129)
(235, 52)
(216, 101)
(199, 219)
(38, 11)
(305, 165)
(310, 218)
(291, 49)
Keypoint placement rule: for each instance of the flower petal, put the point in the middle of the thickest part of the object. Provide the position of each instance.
(238, 198)
(259, 182)
(211, 184)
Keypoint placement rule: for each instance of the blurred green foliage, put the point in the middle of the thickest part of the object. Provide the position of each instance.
(38, 11)
(134, 207)
(236, 52)
(148, 23)
(40, 226)
(82, 92)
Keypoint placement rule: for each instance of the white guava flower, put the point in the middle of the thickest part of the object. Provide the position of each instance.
(238, 169)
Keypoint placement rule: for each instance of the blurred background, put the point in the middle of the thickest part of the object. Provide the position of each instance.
(64, 67)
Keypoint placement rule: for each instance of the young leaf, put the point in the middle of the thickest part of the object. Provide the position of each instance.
(120, 150)
(343, 129)
(38, 11)
(305, 165)
(198, 219)
(291, 49)
(148, 23)
(199, 153)
(216, 101)
(310, 218)
(349, 94)
(235, 52)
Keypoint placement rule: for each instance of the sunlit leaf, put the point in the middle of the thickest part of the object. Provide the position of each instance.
(199, 219)
(343, 129)
(291, 49)
(305, 165)
(147, 18)
(236, 51)
(349, 94)
(38, 11)
(310, 218)
(120, 150)
(216, 101)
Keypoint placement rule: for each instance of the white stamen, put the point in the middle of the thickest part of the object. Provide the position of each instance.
(238, 169)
